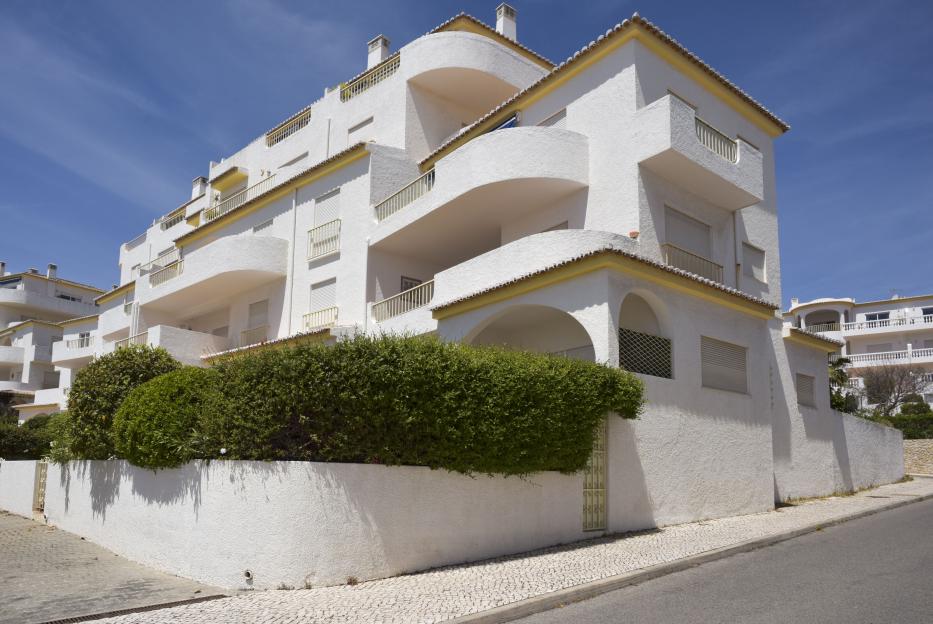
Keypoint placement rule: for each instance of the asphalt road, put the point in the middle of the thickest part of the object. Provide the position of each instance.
(876, 569)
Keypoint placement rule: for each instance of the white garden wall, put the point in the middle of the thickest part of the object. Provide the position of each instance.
(299, 522)
(17, 480)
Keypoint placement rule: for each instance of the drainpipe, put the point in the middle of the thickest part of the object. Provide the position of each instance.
(291, 269)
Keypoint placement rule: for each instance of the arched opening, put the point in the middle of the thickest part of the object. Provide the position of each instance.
(536, 328)
(643, 347)
(823, 320)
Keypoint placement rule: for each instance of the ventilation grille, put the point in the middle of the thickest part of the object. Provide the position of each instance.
(645, 354)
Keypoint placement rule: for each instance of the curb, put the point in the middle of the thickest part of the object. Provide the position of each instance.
(551, 600)
(143, 609)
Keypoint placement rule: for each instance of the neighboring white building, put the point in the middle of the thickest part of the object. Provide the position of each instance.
(31, 305)
(896, 331)
(618, 207)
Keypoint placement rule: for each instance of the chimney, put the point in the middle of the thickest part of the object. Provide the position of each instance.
(33, 271)
(198, 186)
(505, 21)
(378, 49)
(794, 301)
(2, 268)
(52, 271)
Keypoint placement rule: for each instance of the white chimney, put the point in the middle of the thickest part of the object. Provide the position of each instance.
(198, 186)
(794, 301)
(505, 21)
(378, 48)
(2, 268)
(52, 271)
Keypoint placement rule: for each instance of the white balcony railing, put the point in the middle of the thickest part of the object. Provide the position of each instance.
(79, 343)
(405, 301)
(238, 199)
(907, 356)
(161, 262)
(324, 239)
(163, 275)
(716, 141)
(254, 335)
(371, 78)
(682, 259)
(173, 218)
(823, 327)
(139, 339)
(288, 128)
(896, 322)
(319, 319)
(405, 196)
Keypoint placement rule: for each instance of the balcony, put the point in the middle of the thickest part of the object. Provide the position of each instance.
(137, 339)
(161, 262)
(185, 345)
(22, 297)
(74, 350)
(823, 328)
(406, 312)
(674, 143)
(886, 358)
(370, 78)
(886, 325)
(288, 128)
(320, 319)
(220, 208)
(406, 195)
(11, 355)
(698, 265)
(324, 240)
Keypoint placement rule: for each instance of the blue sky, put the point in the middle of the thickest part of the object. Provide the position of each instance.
(109, 109)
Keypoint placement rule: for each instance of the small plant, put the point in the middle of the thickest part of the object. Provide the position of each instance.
(283, 586)
(352, 580)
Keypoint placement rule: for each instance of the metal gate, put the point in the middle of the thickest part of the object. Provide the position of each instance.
(594, 485)
(38, 492)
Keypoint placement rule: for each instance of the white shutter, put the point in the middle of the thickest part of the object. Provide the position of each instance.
(327, 207)
(753, 262)
(258, 314)
(557, 120)
(323, 295)
(723, 365)
(687, 233)
(805, 394)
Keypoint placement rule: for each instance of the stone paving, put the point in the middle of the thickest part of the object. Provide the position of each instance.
(48, 574)
(446, 593)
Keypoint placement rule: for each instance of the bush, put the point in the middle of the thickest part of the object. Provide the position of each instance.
(157, 426)
(59, 429)
(915, 420)
(415, 401)
(99, 389)
(31, 440)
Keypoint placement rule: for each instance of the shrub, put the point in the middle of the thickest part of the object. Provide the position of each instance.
(157, 426)
(59, 430)
(415, 401)
(18, 442)
(915, 420)
(99, 389)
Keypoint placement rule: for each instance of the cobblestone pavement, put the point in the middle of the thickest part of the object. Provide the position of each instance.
(446, 593)
(48, 574)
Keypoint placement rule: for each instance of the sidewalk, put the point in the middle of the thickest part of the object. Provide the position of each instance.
(465, 591)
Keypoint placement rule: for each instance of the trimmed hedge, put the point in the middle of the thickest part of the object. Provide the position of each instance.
(99, 389)
(31, 440)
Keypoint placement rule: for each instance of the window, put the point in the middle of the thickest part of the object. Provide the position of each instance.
(258, 314)
(511, 122)
(67, 297)
(723, 365)
(878, 316)
(360, 133)
(407, 283)
(926, 311)
(753, 262)
(557, 120)
(687, 233)
(265, 225)
(805, 395)
(327, 207)
(323, 295)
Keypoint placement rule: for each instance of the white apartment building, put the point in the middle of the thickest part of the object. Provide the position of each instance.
(896, 331)
(31, 306)
(619, 207)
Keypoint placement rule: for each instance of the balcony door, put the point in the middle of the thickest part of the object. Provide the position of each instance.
(687, 233)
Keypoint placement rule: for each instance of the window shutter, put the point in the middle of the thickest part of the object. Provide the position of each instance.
(753, 262)
(723, 365)
(805, 394)
(687, 233)
(327, 207)
(323, 295)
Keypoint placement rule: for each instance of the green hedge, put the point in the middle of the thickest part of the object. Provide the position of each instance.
(31, 440)
(915, 420)
(388, 400)
(99, 389)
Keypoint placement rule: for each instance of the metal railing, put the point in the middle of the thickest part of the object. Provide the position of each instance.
(683, 259)
(165, 274)
(324, 239)
(140, 339)
(405, 301)
(320, 319)
(254, 335)
(161, 262)
(139, 240)
(79, 343)
(401, 198)
(238, 199)
(288, 128)
(822, 327)
(896, 322)
(716, 141)
(371, 78)
(172, 218)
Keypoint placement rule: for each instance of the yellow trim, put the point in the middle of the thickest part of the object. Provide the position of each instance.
(34, 405)
(465, 24)
(116, 292)
(195, 219)
(251, 207)
(653, 44)
(610, 261)
(320, 336)
(812, 342)
(26, 325)
(80, 319)
(229, 178)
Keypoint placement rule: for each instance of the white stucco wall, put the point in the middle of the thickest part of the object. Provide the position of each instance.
(298, 522)
(17, 481)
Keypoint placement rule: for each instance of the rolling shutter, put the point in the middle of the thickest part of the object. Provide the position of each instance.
(723, 365)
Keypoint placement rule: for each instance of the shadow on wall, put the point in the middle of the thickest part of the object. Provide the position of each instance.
(635, 508)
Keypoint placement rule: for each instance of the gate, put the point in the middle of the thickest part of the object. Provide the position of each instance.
(38, 492)
(594, 485)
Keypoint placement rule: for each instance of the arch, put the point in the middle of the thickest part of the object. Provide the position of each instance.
(537, 328)
(823, 316)
(642, 311)
(644, 346)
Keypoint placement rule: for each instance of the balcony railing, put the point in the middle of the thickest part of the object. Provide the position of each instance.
(79, 343)
(887, 357)
(405, 301)
(161, 262)
(254, 335)
(823, 327)
(897, 322)
(136, 242)
(324, 239)
(238, 199)
(139, 339)
(319, 319)
(405, 196)
(371, 78)
(683, 259)
(288, 128)
(173, 218)
(716, 141)
(163, 275)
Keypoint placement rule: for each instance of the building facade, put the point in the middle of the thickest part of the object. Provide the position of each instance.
(618, 207)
